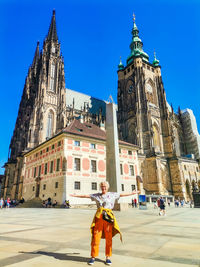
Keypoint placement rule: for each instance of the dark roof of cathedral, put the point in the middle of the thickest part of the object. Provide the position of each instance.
(52, 34)
(90, 130)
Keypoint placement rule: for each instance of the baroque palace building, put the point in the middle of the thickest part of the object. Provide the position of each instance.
(52, 120)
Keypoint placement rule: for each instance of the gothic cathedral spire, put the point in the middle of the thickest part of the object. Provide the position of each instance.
(52, 34)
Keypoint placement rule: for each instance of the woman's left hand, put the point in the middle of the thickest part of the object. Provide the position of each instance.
(135, 192)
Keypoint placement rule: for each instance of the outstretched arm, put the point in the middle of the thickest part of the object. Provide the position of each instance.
(80, 196)
(130, 194)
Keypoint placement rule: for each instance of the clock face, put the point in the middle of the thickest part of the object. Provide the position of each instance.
(130, 89)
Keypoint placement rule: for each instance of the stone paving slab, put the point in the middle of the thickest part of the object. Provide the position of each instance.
(61, 237)
(65, 258)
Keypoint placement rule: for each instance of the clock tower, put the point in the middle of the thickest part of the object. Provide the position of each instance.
(143, 114)
(142, 106)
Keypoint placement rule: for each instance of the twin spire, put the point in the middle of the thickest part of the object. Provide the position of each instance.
(136, 45)
(51, 36)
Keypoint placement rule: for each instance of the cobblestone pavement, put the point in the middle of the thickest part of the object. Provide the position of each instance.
(61, 237)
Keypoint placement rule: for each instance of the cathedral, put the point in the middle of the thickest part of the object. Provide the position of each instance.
(168, 158)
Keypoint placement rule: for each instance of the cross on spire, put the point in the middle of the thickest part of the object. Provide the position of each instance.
(133, 18)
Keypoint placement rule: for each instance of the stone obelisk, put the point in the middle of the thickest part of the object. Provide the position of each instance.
(112, 152)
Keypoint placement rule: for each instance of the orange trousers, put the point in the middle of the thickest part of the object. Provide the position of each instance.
(101, 226)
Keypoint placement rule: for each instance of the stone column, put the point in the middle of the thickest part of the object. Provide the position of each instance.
(112, 153)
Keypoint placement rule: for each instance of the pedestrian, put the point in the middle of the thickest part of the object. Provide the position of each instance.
(49, 202)
(162, 207)
(158, 202)
(8, 203)
(1, 203)
(104, 224)
(168, 202)
(66, 204)
(135, 202)
(54, 203)
(132, 203)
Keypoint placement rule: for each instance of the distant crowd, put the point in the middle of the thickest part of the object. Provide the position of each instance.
(7, 203)
(48, 203)
(161, 203)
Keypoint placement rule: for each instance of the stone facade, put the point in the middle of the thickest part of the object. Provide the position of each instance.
(146, 119)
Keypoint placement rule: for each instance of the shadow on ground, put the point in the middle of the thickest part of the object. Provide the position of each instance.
(62, 256)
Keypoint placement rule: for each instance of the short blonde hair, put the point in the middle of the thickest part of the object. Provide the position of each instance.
(105, 182)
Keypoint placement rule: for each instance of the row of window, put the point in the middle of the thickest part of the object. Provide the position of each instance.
(77, 186)
(131, 170)
(47, 149)
(93, 146)
(93, 166)
(52, 166)
(132, 67)
(77, 143)
(46, 168)
(129, 152)
(45, 186)
(77, 167)
(185, 168)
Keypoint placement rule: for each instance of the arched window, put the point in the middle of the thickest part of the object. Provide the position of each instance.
(52, 77)
(188, 190)
(50, 124)
(156, 137)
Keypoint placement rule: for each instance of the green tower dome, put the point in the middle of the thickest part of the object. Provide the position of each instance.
(120, 66)
(136, 45)
(155, 61)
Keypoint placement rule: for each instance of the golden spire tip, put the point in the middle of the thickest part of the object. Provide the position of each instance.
(133, 17)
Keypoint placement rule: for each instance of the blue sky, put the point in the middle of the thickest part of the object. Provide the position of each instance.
(93, 35)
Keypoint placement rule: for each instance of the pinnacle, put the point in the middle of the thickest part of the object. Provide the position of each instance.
(52, 34)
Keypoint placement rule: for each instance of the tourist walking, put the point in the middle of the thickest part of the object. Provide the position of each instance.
(104, 224)
(162, 207)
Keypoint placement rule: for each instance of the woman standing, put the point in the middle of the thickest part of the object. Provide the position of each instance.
(104, 224)
(8, 203)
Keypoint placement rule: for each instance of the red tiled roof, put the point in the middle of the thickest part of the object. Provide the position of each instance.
(89, 130)
(85, 129)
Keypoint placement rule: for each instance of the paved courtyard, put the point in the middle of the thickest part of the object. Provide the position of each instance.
(61, 237)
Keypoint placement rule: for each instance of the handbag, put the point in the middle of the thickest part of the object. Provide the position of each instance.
(107, 217)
